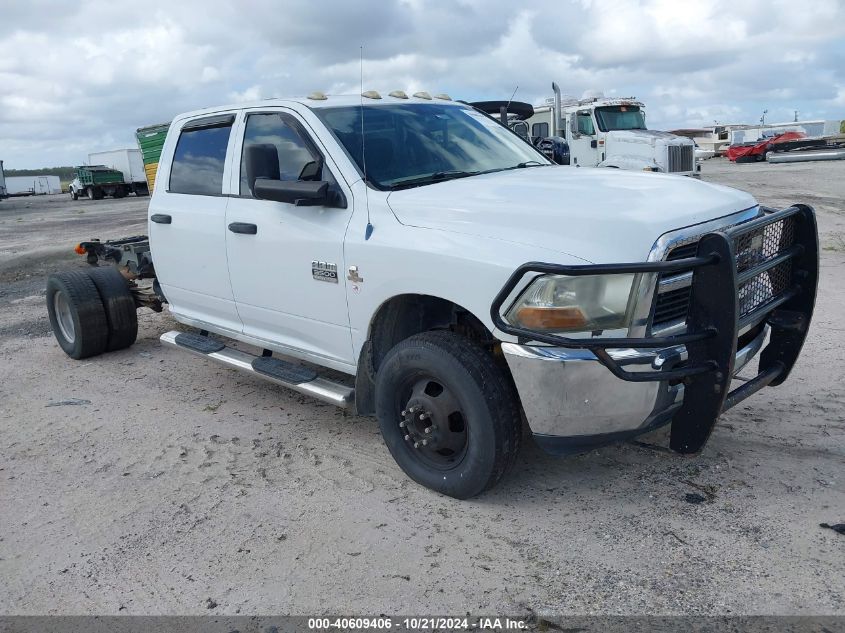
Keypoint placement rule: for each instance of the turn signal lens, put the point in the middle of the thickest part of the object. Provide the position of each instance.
(79, 249)
(540, 318)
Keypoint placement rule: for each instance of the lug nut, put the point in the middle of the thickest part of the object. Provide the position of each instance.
(425, 416)
(402, 424)
(407, 437)
(416, 444)
(404, 413)
(428, 430)
(425, 442)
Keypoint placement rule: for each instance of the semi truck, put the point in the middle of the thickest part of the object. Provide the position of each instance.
(127, 161)
(412, 259)
(602, 132)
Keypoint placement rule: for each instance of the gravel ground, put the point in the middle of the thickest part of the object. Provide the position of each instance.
(174, 486)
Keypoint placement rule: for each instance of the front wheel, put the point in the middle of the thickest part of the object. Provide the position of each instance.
(448, 413)
(74, 195)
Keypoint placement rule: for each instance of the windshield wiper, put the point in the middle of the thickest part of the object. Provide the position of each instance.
(438, 176)
(528, 163)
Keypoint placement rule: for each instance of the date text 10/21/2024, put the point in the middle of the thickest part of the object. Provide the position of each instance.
(418, 623)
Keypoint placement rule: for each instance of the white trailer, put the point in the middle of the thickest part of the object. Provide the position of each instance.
(39, 185)
(128, 161)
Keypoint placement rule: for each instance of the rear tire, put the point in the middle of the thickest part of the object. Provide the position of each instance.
(442, 389)
(121, 313)
(76, 314)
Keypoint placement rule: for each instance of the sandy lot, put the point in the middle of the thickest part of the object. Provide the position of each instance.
(176, 486)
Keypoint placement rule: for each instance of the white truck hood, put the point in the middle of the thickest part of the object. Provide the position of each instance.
(598, 215)
(646, 137)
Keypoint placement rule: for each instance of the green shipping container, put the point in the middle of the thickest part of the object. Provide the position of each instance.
(151, 141)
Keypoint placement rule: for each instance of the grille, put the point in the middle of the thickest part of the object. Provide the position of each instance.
(757, 248)
(750, 250)
(680, 157)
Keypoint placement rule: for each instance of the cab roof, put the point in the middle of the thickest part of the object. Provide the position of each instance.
(330, 101)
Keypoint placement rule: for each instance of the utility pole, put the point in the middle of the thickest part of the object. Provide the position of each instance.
(763, 118)
(795, 120)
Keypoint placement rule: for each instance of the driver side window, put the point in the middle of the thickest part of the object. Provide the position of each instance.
(585, 123)
(296, 157)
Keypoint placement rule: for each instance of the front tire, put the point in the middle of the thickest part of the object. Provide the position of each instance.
(76, 314)
(74, 195)
(448, 413)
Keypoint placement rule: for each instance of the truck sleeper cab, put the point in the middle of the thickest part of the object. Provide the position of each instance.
(459, 279)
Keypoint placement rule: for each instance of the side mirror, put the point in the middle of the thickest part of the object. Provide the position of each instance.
(573, 126)
(299, 192)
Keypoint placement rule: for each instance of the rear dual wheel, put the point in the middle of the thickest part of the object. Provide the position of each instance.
(91, 311)
(448, 413)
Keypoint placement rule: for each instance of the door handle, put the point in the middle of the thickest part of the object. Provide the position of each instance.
(243, 227)
(161, 218)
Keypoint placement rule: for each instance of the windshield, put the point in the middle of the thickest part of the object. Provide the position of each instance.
(621, 117)
(417, 144)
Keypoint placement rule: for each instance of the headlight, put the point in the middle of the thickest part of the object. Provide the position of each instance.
(583, 303)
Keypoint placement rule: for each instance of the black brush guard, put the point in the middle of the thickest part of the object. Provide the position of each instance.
(713, 320)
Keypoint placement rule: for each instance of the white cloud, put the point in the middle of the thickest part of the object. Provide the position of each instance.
(68, 89)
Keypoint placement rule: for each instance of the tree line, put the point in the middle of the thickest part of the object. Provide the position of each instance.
(64, 173)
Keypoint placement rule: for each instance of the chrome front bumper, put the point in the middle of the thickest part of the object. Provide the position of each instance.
(568, 393)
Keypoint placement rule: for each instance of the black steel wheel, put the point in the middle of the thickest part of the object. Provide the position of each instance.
(433, 419)
(76, 314)
(448, 413)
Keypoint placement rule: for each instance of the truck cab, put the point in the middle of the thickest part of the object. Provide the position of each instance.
(413, 259)
(605, 132)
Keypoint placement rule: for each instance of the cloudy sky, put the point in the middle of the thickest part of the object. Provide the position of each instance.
(82, 76)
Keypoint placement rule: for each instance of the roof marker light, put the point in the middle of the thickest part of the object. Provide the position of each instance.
(318, 96)
(443, 96)
(422, 95)
(371, 94)
(398, 94)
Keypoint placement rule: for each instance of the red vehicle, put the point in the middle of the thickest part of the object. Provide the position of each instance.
(756, 150)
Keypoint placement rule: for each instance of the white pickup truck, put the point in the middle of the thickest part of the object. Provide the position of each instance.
(462, 282)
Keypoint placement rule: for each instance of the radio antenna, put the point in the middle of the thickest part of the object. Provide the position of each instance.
(512, 96)
(369, 230)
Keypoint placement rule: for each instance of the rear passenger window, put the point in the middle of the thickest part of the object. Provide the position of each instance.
(293, 151)
(199, 159)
